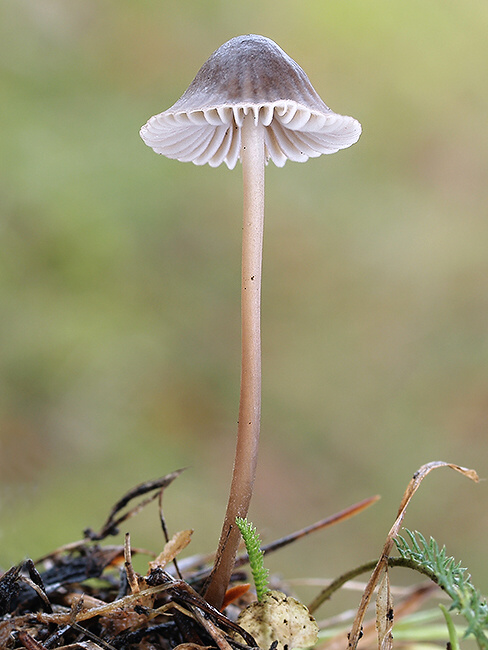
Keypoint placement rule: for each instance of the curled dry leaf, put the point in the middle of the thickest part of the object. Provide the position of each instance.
(279, 618)
(171, 549)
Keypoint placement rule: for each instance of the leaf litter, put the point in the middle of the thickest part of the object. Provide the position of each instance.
(84, 596)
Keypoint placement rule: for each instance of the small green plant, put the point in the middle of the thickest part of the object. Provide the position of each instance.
(256, 556)
(428, 558)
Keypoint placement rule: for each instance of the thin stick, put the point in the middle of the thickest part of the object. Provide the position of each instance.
(253, 161)
(323, 523)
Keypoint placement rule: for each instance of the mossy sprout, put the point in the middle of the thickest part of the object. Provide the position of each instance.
(256, 556)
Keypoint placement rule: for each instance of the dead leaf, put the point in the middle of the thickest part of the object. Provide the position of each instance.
(171, 549)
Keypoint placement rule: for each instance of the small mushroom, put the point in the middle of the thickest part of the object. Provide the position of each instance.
(250, 102)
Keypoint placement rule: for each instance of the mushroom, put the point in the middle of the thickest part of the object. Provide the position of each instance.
(250, 102)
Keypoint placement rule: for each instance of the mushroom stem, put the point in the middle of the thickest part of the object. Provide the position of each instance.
(253, 163)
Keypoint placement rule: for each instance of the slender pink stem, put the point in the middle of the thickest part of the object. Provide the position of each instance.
(253, 162)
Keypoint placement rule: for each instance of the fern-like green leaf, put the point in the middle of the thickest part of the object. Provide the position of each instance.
(452, 578)
(256, 555)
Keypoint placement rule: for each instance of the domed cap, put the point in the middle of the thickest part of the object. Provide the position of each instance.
(249, 74)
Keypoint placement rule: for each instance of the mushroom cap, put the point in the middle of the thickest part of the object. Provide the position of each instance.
(249, 74)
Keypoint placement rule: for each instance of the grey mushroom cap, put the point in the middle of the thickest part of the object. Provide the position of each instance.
(249, 74)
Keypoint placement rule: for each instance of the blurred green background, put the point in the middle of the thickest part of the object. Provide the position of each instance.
(119, 279)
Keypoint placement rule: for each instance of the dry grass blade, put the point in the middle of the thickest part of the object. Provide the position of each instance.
(39, 591)
(384, 613)
(213, 631)
(82, 645)
(105, 609)
(132, 577)
(412, 488)
(410, 604)
(192, 646)
(105, 555)
(29, 642)
(336, 518)
(110, 527)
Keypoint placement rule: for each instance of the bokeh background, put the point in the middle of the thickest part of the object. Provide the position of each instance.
(119, 280)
